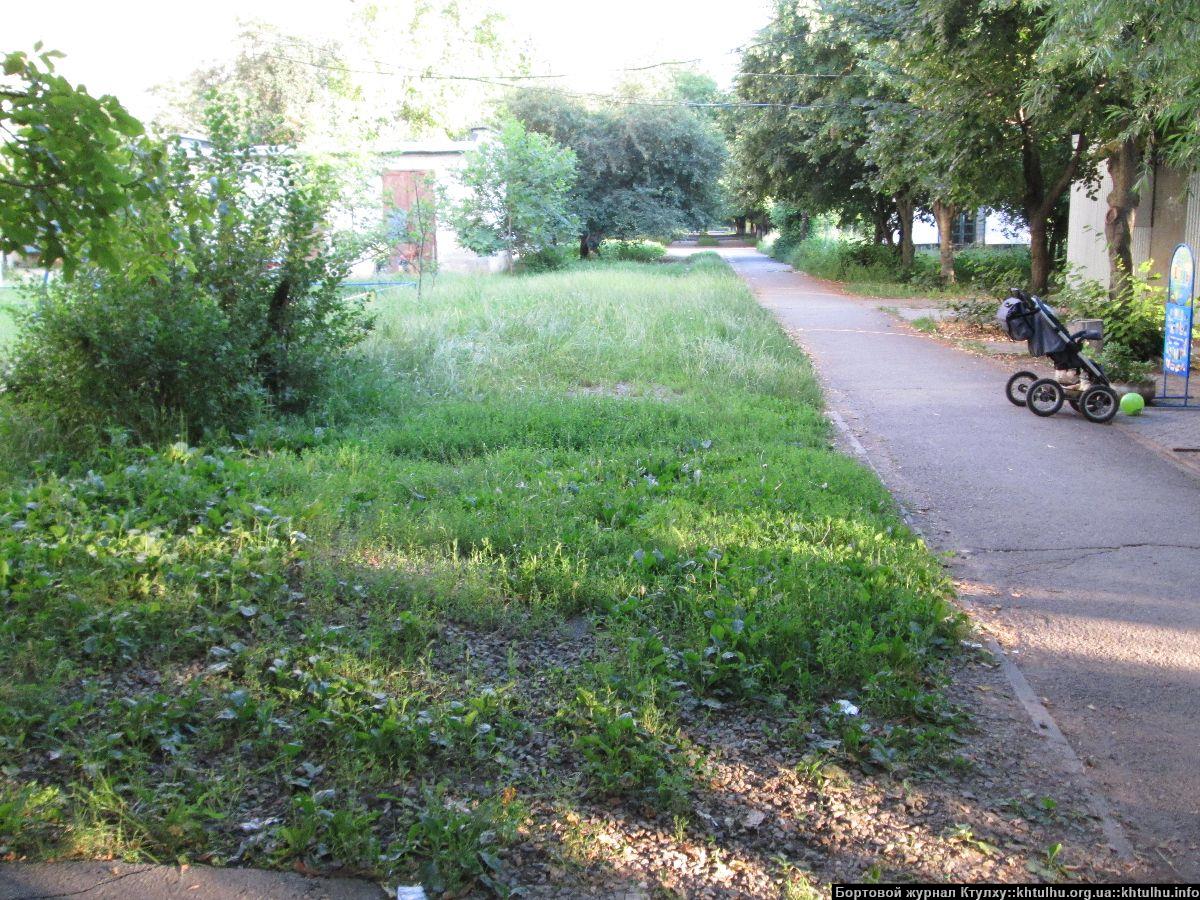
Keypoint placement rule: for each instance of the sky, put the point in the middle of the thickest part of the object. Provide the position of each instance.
(125, 47)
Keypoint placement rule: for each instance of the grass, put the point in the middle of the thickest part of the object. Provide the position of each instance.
(270, 650)
(9, 301)
(925, 324)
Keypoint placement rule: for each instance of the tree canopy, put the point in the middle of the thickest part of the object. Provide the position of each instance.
(873, 108)
(644, 169)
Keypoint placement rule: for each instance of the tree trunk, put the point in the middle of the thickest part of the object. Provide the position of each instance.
(905, 207)
(1040, 200)
(882, 234)
(740, 223)
(1123, 166)
(944, 213)
(1039, 253)
(584, 248)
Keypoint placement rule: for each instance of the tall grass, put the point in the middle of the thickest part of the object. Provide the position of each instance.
(10, 301)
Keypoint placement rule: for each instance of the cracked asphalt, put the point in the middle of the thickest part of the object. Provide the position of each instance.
(1078, 547)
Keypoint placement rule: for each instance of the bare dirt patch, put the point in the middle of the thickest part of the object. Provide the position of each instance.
(777, 808)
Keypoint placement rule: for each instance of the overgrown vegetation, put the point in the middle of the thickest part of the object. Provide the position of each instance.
(244, 314)
(859, 263)
(1134, 321)
(632, 251)
(252, 650)
(515, 197)
(644, 170)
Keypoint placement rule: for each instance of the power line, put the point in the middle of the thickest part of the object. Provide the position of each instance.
(529, 77)
(609, 98)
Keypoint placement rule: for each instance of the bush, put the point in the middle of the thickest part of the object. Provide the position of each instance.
(245, 312)
(1135, 322)
(548, 259)
(993, 268)
(843, 260)
(1122, 364)
(632, 251)
(792, 227)
(149, 358)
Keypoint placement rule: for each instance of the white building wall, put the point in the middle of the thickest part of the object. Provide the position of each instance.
(1087, 254)
(998, 231)
(1191, 229)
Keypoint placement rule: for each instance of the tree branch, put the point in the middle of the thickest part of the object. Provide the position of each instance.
(1067, 176)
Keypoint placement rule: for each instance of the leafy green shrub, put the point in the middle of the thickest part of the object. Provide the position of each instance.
(245, 312)
(548, 259)
(844, 260)
(632, 251)
(993, 267)
(153, 358)
(791, 227)
(1135, 322)
(1122, 364)
(863, 261)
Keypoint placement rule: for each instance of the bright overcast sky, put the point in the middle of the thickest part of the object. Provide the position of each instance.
(124, 47)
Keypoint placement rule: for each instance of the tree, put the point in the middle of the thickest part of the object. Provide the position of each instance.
(960, 72)
(67, 164)
(1139, 55)
(411, 231)
(801, 139)
(646, 168)
(279, 89)
(517, 190)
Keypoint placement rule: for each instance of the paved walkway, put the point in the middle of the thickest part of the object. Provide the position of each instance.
(127, 881)
(1078, 546)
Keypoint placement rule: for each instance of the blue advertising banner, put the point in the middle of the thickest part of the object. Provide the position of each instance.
(1177, 345)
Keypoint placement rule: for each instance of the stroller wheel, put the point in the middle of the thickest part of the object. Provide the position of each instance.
(1018, 387)
(1099, 404)
(1045, 397)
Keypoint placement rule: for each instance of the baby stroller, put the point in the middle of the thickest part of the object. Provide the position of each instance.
(1027, 318)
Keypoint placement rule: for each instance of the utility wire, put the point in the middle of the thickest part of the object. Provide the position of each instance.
(609, 98)
(528, 77)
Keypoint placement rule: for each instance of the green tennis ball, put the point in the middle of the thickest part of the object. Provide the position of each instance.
(1132, 404)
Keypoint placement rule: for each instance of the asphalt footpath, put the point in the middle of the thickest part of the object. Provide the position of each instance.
(127, 881)
(1076, 545)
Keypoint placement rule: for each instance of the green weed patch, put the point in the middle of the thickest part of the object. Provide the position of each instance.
(239, 653)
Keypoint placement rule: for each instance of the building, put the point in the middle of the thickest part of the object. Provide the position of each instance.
(977, 228)
(413, 179)
(1168, 215)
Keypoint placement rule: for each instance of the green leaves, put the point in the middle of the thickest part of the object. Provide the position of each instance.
(643, 170)
(516, 194)
(65, 168)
